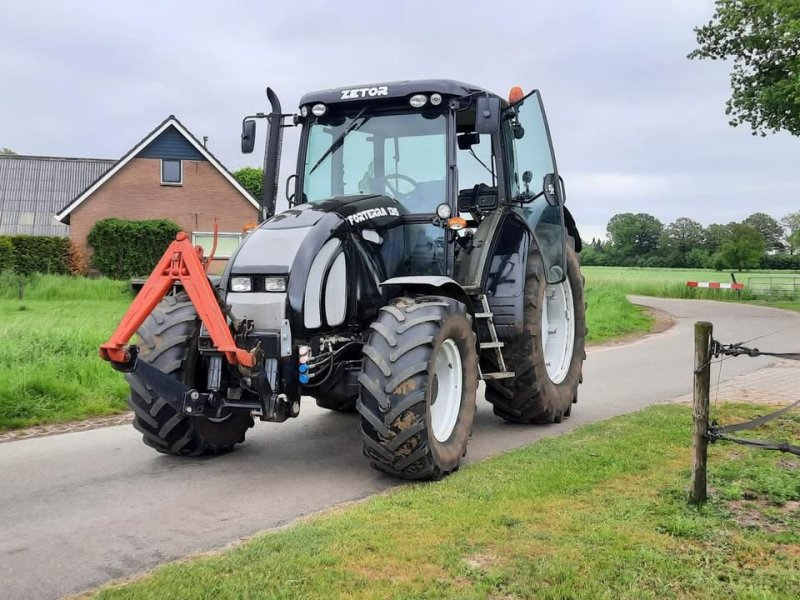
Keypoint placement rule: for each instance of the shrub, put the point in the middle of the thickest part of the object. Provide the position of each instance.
(78, 260)
(35, 254)
(124, 249)
(6, 254)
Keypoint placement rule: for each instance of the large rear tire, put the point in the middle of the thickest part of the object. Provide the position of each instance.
(547, 364)
(418, 387)
(168, 341)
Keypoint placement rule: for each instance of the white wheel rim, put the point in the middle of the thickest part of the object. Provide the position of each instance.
(558, 330)
(446, 392)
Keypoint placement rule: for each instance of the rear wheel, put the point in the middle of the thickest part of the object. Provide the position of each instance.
(547, 357)
(168, 341)
(418, 387)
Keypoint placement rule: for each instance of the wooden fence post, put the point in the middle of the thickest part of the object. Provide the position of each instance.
(702, 380)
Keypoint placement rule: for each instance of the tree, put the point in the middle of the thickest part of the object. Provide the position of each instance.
(251, 179)
(769, 228)
(680, 238)
(793, 241)
(634, 236)
(715, 235)
(9, 151)
(743, 250)
(792, 223)
(761, 36)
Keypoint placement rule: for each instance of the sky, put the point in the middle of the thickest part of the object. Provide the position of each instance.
(637, 126)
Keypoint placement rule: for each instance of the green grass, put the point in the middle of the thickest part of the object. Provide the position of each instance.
(599, 513)
(49, 368)
(609, 314)
(59, 287)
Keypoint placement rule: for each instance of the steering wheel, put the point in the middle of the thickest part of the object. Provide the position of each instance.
(396, 190)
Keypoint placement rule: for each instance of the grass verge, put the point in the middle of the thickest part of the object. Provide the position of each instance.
(609, 315)
(599, 513)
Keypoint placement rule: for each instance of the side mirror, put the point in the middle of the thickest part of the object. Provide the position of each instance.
(553, 189)
(248, 135)
(487, 114)
(468, 140)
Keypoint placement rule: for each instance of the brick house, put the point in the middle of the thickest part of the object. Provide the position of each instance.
(167, 175)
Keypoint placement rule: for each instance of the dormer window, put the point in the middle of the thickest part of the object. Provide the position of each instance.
(171, 172)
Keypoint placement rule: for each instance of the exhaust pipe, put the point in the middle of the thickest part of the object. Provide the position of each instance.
(272, 156)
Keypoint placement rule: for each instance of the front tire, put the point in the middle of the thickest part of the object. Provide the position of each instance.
(548, 368)
(418, 387)
(168, 341)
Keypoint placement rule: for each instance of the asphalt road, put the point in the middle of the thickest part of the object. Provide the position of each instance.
(80, 509)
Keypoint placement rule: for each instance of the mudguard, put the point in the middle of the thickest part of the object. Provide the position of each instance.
(433, 284)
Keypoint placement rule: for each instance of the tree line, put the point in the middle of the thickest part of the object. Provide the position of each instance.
(641, 240)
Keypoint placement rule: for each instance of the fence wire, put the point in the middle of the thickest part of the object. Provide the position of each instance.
(716, 432)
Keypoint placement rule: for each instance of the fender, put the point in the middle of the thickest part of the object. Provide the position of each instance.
(572, 229)
(433, 284)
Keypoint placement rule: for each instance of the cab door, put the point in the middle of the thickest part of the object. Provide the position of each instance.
(534, 185)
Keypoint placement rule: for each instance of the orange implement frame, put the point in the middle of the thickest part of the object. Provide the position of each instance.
(181, 262)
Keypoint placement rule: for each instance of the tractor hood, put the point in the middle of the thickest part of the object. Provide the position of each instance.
(368, 211)
(330, 266)
(273, 247)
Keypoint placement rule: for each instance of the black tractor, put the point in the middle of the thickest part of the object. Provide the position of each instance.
(426, 248)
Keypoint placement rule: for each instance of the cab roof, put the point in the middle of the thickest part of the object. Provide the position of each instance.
(392, 89)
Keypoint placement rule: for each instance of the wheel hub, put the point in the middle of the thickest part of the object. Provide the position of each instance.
(446, 390)
(558, 329)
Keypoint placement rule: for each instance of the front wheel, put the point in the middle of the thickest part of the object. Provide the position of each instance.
(168, 341)
(418, 387)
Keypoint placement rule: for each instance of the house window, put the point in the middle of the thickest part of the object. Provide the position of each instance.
(171, 172)
(226, 243)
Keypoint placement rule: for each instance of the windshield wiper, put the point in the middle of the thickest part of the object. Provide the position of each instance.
(337, 143)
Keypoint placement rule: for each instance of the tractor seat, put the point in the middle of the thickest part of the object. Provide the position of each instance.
(477, 199)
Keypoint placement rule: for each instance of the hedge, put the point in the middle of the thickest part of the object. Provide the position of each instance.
(780, 261)
(35, 254)
(125, 249)
(6, 254)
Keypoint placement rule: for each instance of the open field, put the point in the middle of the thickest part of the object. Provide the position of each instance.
(597, 513)
(671, 283)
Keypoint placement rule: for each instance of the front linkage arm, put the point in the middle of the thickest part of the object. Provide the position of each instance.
(181, 262)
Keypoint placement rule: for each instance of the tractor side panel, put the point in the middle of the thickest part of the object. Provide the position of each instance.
(505, 277)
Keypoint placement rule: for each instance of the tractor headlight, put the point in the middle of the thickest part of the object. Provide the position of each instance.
(241, 284)
(275, 284)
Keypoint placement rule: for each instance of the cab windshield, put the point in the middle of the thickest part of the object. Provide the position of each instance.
(400, 155)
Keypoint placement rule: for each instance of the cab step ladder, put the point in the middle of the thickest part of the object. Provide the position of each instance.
(495, 343)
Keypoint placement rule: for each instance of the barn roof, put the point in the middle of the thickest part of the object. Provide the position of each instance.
(34, 188)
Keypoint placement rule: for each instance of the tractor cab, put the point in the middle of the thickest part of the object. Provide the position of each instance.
(446, 154)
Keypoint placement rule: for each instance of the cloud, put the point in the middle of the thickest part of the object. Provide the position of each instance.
(637, 126)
